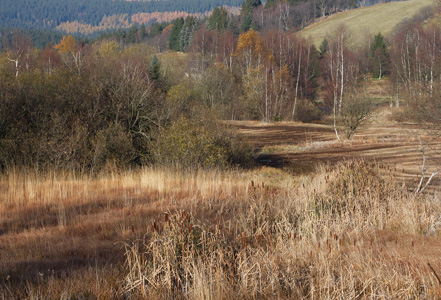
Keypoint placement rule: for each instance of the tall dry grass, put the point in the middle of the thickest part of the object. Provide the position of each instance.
(351, 231)
(347, 233)
(57, 228)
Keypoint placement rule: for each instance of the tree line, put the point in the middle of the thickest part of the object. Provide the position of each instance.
(90, 16)
(51, 13)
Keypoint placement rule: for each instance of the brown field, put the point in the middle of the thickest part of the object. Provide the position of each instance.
(310, 224)
(298, 147)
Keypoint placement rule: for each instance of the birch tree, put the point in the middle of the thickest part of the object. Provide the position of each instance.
(340, 71)
(71, 53)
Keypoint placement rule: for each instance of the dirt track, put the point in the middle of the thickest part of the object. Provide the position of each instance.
(299, 147)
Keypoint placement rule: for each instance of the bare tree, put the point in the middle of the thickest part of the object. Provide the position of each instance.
(227, 48)
(356, 111)
(362, 3)
(19, 51)
(323, 6)
(341, 69)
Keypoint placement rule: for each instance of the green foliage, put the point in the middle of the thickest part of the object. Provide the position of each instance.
(189, 27)
(174, 42)
(247, 23)
(218, 19)
(249, 5)
(50, 13)
(39, 37)
(157, 28)
(182, 32)
(142, 32)
(155, 68)
(323, 48)
(191, 144)
(379, 56)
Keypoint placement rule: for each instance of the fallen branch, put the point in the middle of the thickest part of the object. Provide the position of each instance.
(436, 275)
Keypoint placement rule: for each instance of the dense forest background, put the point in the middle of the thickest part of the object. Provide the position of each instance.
(90, 16)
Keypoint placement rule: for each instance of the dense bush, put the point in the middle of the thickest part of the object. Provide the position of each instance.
(307, 111)
(62, 120)
(200, 143)
(111, 114)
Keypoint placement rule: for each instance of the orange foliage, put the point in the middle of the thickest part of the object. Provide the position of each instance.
(67, 44)
(251, 49)
(145, 18)
(107, 22)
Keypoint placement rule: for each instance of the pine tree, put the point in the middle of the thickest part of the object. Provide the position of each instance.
(155, 69)
(218, 19)
(379, 56)
(175, 34)
(248, 6)
(142, 32)
(247, 23)
(323, 48)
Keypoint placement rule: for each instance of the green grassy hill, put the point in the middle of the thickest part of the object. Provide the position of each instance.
(366, 21)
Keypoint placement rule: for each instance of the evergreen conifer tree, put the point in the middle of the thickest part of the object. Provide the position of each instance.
(175, 34)
(379, 56)
(155, 69)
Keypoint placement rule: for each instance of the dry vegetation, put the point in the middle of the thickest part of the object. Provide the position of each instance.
(348, 231)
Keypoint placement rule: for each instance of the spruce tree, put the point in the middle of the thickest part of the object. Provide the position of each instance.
(247, 23)
(378, 56)
(142, 32)
(248, 6)
(218, 19)
(173, 41)
(155, 69)
(323, 48)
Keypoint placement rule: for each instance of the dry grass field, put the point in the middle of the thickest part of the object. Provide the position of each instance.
(322, 220)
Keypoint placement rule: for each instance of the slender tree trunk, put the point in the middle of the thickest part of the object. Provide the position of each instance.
(297, 83)
(266, 95)
(16, 62)
(335, 121)
(341, 74)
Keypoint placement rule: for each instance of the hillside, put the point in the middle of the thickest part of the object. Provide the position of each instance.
(367, 20)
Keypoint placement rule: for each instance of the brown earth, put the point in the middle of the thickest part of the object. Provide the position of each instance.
(299, 147)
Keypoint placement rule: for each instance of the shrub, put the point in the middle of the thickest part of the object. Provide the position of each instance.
(307, 111)
(354, 187)
(194, 144)
(354, 113)
(113, 146)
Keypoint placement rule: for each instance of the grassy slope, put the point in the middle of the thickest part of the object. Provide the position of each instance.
(367, 20)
